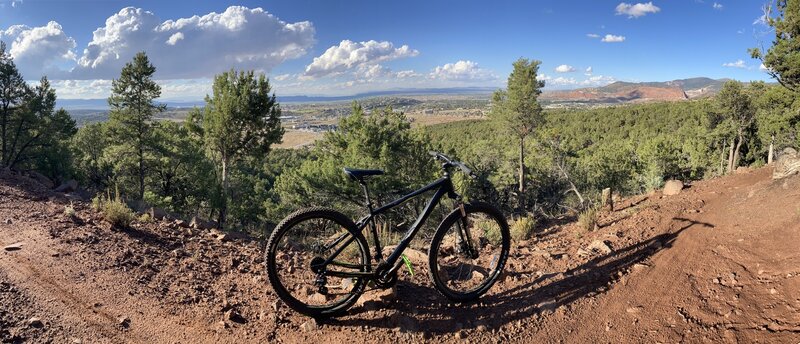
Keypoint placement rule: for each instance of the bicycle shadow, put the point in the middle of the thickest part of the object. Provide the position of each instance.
(415, 312)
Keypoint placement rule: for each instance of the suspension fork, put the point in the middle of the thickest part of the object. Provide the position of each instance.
(464, 232)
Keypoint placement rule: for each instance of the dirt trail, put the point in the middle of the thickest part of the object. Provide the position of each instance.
(717, 263)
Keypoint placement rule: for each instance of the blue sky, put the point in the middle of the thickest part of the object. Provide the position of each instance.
(348, 47)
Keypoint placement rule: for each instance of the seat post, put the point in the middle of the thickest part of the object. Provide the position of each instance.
(366, 194)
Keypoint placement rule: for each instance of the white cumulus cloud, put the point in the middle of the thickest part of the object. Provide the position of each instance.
(588, 71)
(175, 38)
(609, 38)
(717, 6)
(199, 46)
(463, 70)
(637, 10)
(349, 55)
(592, 35)
(565, 69)
(736, 64)
(39, 50)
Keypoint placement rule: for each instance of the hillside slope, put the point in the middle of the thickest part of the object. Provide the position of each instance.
(717, 263)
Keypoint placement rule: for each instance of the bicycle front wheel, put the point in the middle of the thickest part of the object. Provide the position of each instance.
(468, 253)
(295, 256)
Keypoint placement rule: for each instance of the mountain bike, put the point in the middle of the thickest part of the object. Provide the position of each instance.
(318, 260)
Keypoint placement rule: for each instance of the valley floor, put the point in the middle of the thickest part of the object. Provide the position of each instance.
(718, 263)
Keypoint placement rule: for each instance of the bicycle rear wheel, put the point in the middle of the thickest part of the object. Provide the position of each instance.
(296, 250)
(461, 269)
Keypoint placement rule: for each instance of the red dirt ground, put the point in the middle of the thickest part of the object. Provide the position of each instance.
(718, 263)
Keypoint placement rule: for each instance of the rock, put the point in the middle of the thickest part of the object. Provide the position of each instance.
(35, 322)
(8, 221)
(14, 246)
(672, 187)
(221, 325)
(600, 246)
(606, 200)
(461, 334)
(413, 255)
(198, 223)
(373, 299)
(68, 186)
(640, 266)
(157, 213)
(181, 224)
(234, 316)
(124, 322)
(583, 253)
(310, 325)
(633, 310)
(788, 163)
(547, 307)
(42, 179)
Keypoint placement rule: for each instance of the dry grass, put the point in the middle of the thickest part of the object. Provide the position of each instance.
(522, 228)
(587, 220)
(420, 120)
(298, 138)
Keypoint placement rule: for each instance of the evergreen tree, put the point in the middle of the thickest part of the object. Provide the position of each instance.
(517, 108)
(241, 119)
(13, 92)
(132, 109)
(738, 107)
(782, 59)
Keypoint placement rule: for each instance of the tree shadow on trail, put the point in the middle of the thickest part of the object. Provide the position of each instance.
(544, 294)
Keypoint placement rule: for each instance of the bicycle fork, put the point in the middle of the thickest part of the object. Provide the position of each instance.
(466, 245)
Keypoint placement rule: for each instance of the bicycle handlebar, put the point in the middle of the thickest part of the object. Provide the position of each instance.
(450, 162)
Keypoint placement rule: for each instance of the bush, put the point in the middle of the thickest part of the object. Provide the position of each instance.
(114, 210)
(587, 220)
(522, 228)
(69, 211)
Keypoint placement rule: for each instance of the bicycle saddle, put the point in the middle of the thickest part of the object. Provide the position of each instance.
(358, 175)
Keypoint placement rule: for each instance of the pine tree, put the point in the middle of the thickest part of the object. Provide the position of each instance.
(132, 109)
(13, 92)
(517, 108)
(241, 119)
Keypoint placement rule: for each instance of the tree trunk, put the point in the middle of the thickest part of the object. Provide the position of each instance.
(771, 150)
(223, 211)
(4, 124)
(522, 172)
(736, 152)
(722, 157)
(730, 156)
(141, 172)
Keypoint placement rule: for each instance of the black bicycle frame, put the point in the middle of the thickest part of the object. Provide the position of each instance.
(443, 186)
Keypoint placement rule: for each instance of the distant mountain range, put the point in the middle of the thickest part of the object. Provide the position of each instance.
(637, 92)
(102, 104)
(617, 92)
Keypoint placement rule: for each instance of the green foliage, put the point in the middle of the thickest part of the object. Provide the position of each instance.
(382, 140)
(69, 210)
(181, 177)
(783, 58)
(130, 120)
(630, 148)
(32, 132)
(587, 220)
(114, 210)
(87, 147)
(523, 228)
(241, 119)
(517, 109)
